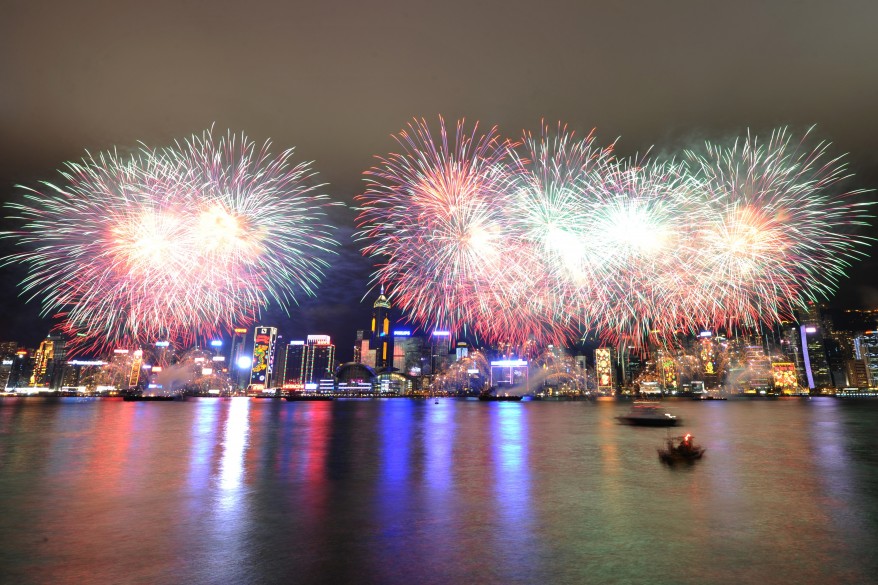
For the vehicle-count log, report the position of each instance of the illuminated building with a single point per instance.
(380, 341)
(237, 352)
(83, 375)
(814, 359)
(407, 352)
(118, 372)
(355, 379)
(708, 355)
(866, 349)
(440, 349)
(666, 369)
(784, 377)
(21, 369)
(294, 365)
(134, 370)
(857, 374)
(263, 346)
(49, 363)
(510, 373)
(319, 359)
(8, 350)
(605, 371)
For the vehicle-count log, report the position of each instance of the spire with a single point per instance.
(381, 301)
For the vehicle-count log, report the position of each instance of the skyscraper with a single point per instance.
(866, 349)
(263, 346)
(49, 363)
(380, 341)
(319, 359)
(295, 365)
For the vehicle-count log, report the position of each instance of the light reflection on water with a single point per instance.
(405, 491)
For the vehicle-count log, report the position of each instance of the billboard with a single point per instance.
(785, 379)
(263, 342)
(134, 375)
(603, 359)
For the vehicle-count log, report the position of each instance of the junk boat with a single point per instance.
(680, 450)
(648, 414)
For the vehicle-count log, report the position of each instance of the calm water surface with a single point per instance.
(405, 491)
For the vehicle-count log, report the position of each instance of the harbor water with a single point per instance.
(402, 491)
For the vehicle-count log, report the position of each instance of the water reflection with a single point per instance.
(512, 490)
(399, 491)
(235, 437)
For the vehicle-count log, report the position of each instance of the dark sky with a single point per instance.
(336, 79)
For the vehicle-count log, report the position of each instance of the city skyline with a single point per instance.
(800, 73)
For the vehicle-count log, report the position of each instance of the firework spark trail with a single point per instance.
(528, 241)
(173, 243)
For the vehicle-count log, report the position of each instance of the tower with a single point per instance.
(381, 341)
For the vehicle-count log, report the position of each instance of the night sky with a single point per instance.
(337, 79)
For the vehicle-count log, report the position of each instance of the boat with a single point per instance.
(300, 397)
(708, 397)
(680, 450)
(147, 398)
(648, 414)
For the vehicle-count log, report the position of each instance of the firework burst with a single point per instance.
(175, 243)
(779, 230)
(532, 240)
(436, 215)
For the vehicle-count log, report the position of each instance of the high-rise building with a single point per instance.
(440, 351)
(237, 353)
(319, 359)
(263, 346)
(381, 341)
(84, 375)
(605, 370)
(21, 369)
(866, 349)
(408, 351)
(857, 374)
(49, 363)
(813, 351)
(632, 365)
(7, 359)
(8, 349)
(784, 377)
(294, 360)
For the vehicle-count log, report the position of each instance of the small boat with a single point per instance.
(648, 414)
(300, 397)
(680, 450)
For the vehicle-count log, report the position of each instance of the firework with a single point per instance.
(529, 241)
(173, 243)
(436, 215)
(639, 250)
(779, 227)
